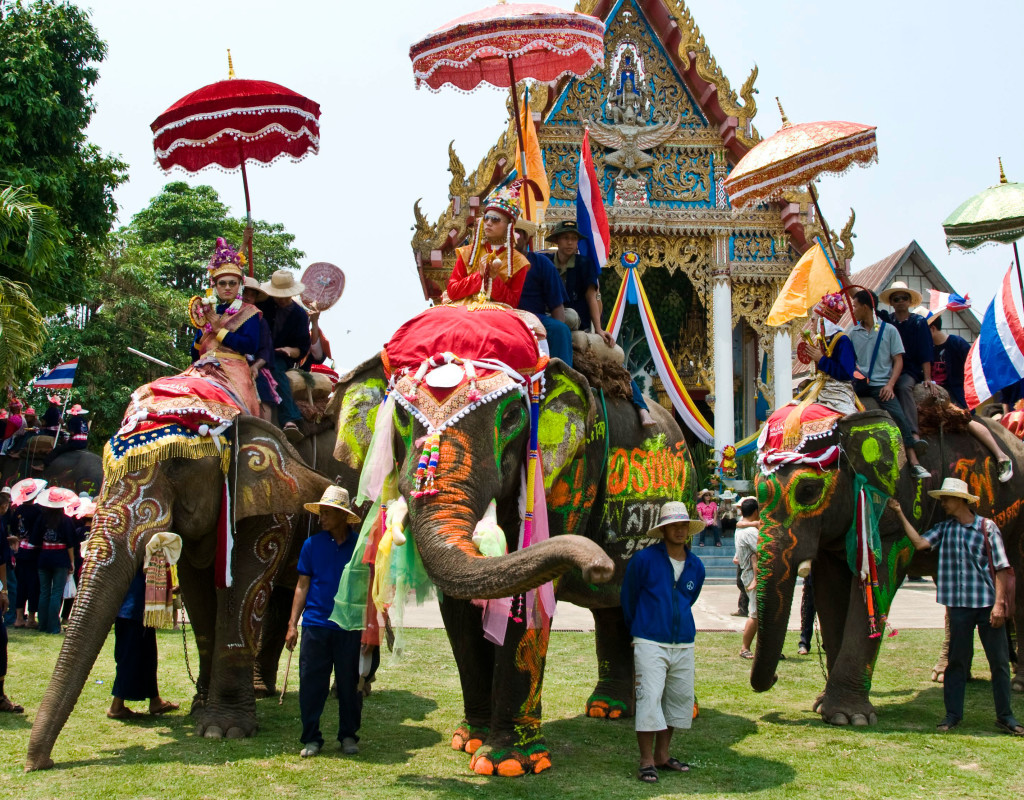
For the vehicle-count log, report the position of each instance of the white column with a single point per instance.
(783, 357)
(725, 414)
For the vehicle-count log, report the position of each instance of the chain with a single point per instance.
(821, 651)
(184, 645)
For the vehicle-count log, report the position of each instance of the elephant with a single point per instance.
(184, 495)
(806, 514)
(78, 470)
(605, 479)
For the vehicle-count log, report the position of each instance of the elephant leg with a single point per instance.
(613, 696)
(200, 599)
(260, 546)
(831, 602)
(268, 654)
(516, 745)
(474, 657)
(939, 670)
(845, 700)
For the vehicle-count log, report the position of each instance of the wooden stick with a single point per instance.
(287, 669)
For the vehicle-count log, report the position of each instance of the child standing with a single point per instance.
(661, 585)
(746, 557)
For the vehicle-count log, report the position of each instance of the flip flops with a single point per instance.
(1014, 730)
(674, 765)
(164, 708)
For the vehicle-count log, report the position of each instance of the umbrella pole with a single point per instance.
(840, 268)
(519, 134)
(1016, 255)
(248, 217)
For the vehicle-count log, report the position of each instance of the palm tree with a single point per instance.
(29, 243)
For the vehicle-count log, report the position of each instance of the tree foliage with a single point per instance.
(50, 53)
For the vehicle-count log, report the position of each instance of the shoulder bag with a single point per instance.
(1011, 578)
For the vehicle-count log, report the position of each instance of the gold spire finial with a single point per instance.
(785, 119)
(1002, 175)
(231, 67)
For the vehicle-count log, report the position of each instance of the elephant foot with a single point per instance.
(43, 762)
(198, 704)
(858, 713)
(512, 755)
(468, 738)
(226, 724)
(602, 706)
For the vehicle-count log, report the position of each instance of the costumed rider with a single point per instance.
(832, 353)
(228, 330)
(78, 430)
(489, 267)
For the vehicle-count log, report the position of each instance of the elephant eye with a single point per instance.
(808, 493)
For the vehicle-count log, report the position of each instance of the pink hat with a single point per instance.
(56, 497)
(29, 411)
(77, 410)
(23, 491)
(15, 403)
(54, 398)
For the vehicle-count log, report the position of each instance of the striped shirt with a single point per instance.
(964, 580)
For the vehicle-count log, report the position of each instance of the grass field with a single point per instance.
(744, 745)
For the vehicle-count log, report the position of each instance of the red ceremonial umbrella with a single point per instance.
(503, 44)
(229, 123)
(797, 154)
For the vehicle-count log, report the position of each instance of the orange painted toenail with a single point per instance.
(473, 745)
(542, 764)
(481, 766)
(510, 768)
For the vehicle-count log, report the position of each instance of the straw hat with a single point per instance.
(899, 287)
(335, 497)
(56, 497)
(675, 512)
(282, 284)
(954, 487)
(929, 316)
(252, 283)
(728, 495)
(703, 492)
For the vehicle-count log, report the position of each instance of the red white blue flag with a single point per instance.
(591, 220)
(61, 376)
(940, 301)
(996, 359)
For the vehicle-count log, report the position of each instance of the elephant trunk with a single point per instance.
(443, 534)
(776, 579)
(99, 599)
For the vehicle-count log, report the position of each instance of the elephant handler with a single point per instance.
(326, 647)
(973, 569)
(661, 585)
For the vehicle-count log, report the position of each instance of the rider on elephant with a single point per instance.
(833, 355)
(489, 267)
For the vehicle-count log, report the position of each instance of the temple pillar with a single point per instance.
(721, 303)
(783, 359)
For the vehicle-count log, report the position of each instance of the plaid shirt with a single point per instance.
(964, 580)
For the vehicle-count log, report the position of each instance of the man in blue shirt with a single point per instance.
(972, 584)
(661, 585)
(544, 295)
(326, 647)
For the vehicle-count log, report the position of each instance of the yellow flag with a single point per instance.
(811, 278)
(534, 164)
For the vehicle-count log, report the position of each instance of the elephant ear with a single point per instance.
(272, 477)
(567, 415)
(353, 407)
(875, 446)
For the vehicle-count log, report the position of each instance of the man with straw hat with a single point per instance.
(972, 584)
(326, 647)
(289, 326)
(661, 585)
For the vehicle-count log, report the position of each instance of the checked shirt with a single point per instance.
(964, 580)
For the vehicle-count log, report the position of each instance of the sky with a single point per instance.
(938, 79)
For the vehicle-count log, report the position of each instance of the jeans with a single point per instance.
(51, 597)
(807, 612)
(715, 531)
(287, 411)
(904, 389)
(323, 651)
(962, 622)
(559, 338)
(892, 405)
(638, 399)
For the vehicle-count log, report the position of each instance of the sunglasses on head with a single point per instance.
(493, 218)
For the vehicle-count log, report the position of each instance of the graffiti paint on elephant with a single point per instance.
(653, 471)
(978, 478)
(572, 496)
(560, 435)
(265, 456)
(356, 420)
(882, 452)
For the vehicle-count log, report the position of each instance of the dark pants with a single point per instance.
(27, 572)
(807, 612)
(559, 338)
(904, 389)
(716, 532)
(962, 622)
(135, 660)
(323, 651)
(892, 405)
(3, 653)
(743, 605)
(287, 411)
(51, 597)
(12, 595)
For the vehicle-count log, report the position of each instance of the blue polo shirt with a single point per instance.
(542, 289)
(323, 560)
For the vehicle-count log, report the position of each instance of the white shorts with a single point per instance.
(664, 686)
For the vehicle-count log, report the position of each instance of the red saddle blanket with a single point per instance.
(815, 421)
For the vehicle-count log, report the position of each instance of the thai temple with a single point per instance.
(666, 127)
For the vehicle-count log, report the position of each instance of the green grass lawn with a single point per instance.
(743, 745)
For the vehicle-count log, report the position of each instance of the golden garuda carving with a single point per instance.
(628, 143)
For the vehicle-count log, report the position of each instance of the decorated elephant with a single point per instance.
(79, 470)
(184, 491)
(823, 507)
(449, 397)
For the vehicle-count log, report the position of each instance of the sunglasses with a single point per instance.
(900, 298)
(227, 284)
(493, 218)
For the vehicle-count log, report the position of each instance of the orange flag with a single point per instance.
(534, 163)
(811, 278)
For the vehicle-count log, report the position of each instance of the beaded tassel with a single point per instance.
(518, 607)
(426, 469)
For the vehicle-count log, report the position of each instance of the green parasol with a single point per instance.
(995, 215)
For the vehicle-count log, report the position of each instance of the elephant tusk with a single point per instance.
(804, 569)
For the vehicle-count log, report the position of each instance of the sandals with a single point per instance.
(746, 654)
(1014, 730)
(165, 707)
(674, 765)
(949, 723)
(8, 706)
(648, 774)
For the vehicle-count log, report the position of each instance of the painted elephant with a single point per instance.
(79, 470)
(184, 496)
(807, 514)
(605, 479)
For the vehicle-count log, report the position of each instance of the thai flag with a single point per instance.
(996, 359)
(61, 376)
(943, 300)
(590, 217)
